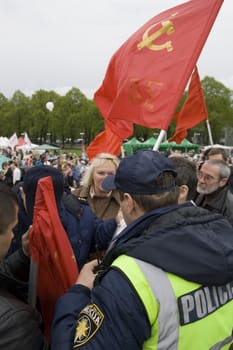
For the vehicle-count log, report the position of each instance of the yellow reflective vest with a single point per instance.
(183, 315)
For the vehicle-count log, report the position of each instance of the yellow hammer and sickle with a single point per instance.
(167, 28)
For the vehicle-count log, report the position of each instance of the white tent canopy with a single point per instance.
(4, 142)
(219, 146)
(27, 147)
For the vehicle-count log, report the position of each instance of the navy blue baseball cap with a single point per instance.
(137, 174)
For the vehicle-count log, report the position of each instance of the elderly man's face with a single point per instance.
(209, 179)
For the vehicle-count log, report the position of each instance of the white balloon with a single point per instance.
(50, 106)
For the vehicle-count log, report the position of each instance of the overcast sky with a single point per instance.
(60, 44)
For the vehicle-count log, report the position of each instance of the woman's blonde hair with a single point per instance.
(100, 160)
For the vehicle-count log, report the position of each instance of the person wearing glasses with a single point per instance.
(212, 187)
(220, 153)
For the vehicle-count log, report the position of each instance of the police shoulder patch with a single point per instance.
(89, 321)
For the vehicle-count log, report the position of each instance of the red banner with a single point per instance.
(107, 142)
(51, 250)
(147, 76)
(193, 110)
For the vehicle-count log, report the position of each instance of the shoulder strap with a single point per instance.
(72, 204)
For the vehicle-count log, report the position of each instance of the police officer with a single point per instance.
(167, 281)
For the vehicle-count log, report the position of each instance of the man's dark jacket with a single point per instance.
(220, 201)
(19, 322)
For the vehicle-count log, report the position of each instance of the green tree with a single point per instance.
(74, 114)
(43, 122)
(72, 107)
(19, 112)
(5, 125)
(219, 105)
(93, 123)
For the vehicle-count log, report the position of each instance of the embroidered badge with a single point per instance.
(90, 320)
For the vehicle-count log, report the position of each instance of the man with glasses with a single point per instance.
(212, 186)
(220, 153)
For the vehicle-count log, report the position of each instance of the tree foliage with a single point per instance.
(75, 115)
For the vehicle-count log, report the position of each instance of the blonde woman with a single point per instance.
(105, 205)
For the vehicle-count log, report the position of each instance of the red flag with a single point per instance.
(106, 141)
(193, 110)
(146, 77)
(51, 250)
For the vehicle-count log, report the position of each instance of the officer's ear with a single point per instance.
(183, 194)
(134, 210)
(129, 203)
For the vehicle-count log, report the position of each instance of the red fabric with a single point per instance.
(51, 250)
(193, 110)
(121, 128)
(21, 142)
(106, 141)
(146, 77)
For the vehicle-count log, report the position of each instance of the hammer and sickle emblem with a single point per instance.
(167, 28)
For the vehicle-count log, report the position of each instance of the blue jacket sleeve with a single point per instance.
(111, 316)
(104, 231)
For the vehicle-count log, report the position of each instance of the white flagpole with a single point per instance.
(162, 135)
(122, 152)
(209, 132)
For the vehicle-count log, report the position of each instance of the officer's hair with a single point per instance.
(8, 202)
(224, 169)
(148, 202)
(186, 174)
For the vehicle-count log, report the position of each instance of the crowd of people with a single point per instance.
(152, 238)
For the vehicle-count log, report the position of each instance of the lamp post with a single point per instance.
(48, 139)
(82, 134)
(196, 137)
(50, 106)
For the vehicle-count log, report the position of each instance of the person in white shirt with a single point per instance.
(16, 173)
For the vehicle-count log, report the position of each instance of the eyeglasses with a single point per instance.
(205, 177)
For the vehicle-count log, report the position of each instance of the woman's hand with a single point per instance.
(25, 242)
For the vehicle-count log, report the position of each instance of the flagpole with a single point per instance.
(209, 131)
(162, 135)
(32, 287)
(122, 152)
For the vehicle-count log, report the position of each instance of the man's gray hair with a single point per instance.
(224, 169)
